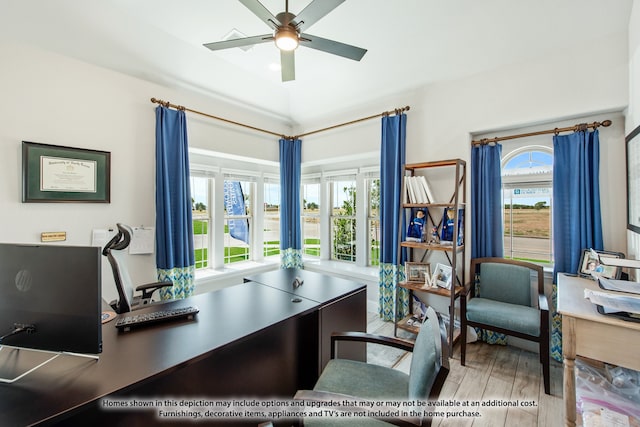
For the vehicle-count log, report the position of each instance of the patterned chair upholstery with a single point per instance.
(354, 380)
(499, 299)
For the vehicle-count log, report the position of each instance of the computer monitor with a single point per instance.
(54, 289)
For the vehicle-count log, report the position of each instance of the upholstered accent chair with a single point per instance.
(344, 379)
(499, 299)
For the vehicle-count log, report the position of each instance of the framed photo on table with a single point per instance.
(52, 173)
(590, 266)
(417, 272)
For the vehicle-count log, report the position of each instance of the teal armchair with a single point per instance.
(344, 379)
(499, 299)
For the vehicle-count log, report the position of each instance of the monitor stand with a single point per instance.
(18, 362)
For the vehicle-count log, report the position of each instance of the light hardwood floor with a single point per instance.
(492, 372)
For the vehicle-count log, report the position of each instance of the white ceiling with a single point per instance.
(410, 43)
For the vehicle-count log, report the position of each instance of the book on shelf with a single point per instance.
(417, 190)
(425, 186)
(410, 195)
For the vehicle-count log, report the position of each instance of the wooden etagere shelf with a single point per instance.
(431, 246)
(421, 251)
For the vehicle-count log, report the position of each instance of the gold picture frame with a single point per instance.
(417, 272)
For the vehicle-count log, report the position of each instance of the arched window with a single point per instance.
(527, 184)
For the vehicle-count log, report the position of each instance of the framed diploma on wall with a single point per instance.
(52, 173)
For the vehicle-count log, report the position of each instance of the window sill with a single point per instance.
(211, 279)
(343, 269)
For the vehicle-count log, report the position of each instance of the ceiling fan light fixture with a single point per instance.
(286, 38)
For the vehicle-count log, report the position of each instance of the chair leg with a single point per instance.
(463, 329)
(463, 341)
(544, 355)
(544, 352)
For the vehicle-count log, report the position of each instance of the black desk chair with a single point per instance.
(114, 251)
(349, 380)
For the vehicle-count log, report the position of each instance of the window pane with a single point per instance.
(343, 231)
(271, 219)
(373, 242)
(527, 211)
(311, 219)
(238, 221)
(201, 220)
(344, 197)
(343, 221)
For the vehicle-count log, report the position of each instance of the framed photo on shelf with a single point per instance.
(417, 272)
(590, 266)
(633, 180)
(442, 276)
(52, 173)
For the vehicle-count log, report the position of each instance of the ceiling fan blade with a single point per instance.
(287, 65)
(314, 11)
(245, 41)
(261, 12)
(332, 46)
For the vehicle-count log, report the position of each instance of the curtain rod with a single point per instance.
(167, 104)
(576, 128)
(385, 113)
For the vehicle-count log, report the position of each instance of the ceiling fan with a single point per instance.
(288, 34)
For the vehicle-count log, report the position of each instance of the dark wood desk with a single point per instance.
(342, 307)
(247, 340)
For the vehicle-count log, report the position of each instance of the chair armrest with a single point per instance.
(149, 288)
(327, 396)
(371, 339)
(466, 289)
(543, 304)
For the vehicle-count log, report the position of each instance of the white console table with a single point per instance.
(587, 333)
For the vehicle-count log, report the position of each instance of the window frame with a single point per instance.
(543, 178)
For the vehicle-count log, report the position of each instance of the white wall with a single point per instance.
(56, 100)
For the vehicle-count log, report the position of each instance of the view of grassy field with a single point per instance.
(528, 222)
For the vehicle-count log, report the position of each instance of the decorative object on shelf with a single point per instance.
(448, 226)
(591, 266)
(419, 310)
(435, 239)
(416, 272)
(442, 276)
(415, 231)
(52, 173)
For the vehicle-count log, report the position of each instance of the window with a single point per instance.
(271, 244)
(527, 184)
(343, 219)
(238, 211)
(201, 217)
(373, 221)
(311, 219)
